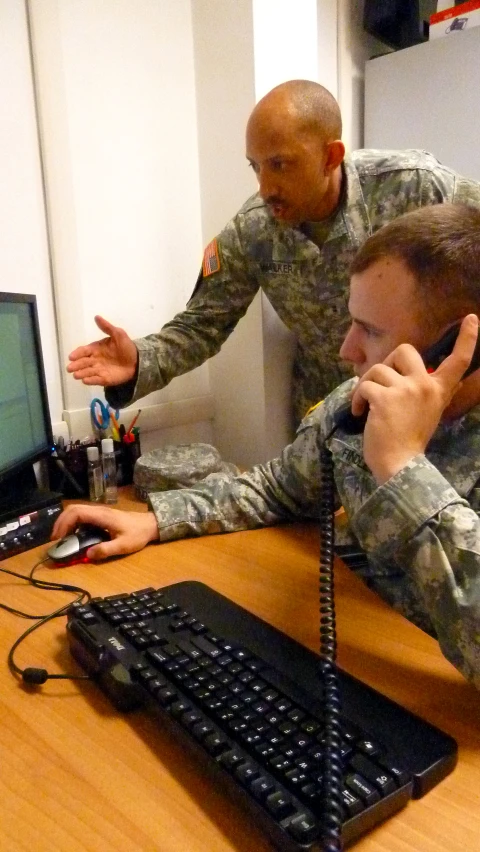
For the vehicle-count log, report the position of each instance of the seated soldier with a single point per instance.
(409, 482)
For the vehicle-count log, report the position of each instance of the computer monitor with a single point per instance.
(25, 425)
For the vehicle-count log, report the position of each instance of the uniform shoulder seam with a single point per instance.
(393, 161)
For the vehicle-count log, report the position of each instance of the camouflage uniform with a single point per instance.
(420, 529)
(302, 271)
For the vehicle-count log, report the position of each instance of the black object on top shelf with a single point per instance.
(396, 23)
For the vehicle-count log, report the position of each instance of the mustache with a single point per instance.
(274, 199)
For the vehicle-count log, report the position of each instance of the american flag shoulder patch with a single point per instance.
(211, 259)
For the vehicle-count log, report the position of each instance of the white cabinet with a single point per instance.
(428, 96)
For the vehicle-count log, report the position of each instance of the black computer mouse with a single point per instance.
(73, 548)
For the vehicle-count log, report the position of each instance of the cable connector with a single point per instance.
(35, 676)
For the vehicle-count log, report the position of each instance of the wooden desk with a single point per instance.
(77, 776)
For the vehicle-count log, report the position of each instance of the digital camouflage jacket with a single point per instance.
(306, 280)
(420, 530)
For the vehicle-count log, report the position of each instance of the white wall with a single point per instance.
(116, 94)
(24, 259)
(224, 70)
(436, 86)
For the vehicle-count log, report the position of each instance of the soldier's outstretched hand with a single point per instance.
(106, 362)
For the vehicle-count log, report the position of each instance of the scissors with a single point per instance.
(100, 414)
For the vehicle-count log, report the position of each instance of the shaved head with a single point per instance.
(304, 104)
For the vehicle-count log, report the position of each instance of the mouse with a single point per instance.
(73, 548)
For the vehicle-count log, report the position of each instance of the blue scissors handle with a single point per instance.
(100, 413)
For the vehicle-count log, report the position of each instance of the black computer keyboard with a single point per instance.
(248, 700)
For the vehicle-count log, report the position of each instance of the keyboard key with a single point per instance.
(399, 775)
(255, 665)
(241, 654)
(178, 708)
(296, 715)
(294, 779)
(212, 637)
(216, 743)
(191, 718)
(280, 764)
(158, 656)
(352, 803)
(312, 793)
(265, 751)
(232, 758)
(148, 673)
(247, 772)
(363, 789)
(190, 650)
(156, 683)
(310, 726)
(251, 738)
(286, 728)
(236, 725)
(283, 705)
(304, 828)
(269, 694)
(368, 747)
(382, 780)
(279, 804)
(166, 695)
(301, 740)
(207, 647)
(225, 714)
(258, 685)
(202, 730)
(261, 707)
(262, 787)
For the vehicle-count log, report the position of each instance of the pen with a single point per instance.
(132, 424)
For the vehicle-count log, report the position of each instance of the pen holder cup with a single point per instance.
(68, 473)
(125, 456)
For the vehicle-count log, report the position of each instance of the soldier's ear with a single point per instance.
(335, 155)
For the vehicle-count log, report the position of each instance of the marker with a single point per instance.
(116, 427)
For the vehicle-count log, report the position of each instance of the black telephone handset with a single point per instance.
(432, 358)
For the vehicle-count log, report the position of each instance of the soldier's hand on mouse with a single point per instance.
(129, 531)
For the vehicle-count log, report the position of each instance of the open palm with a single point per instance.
(106, 362)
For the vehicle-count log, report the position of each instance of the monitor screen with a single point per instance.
(25, 426)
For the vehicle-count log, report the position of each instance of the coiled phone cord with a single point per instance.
(332, 762)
